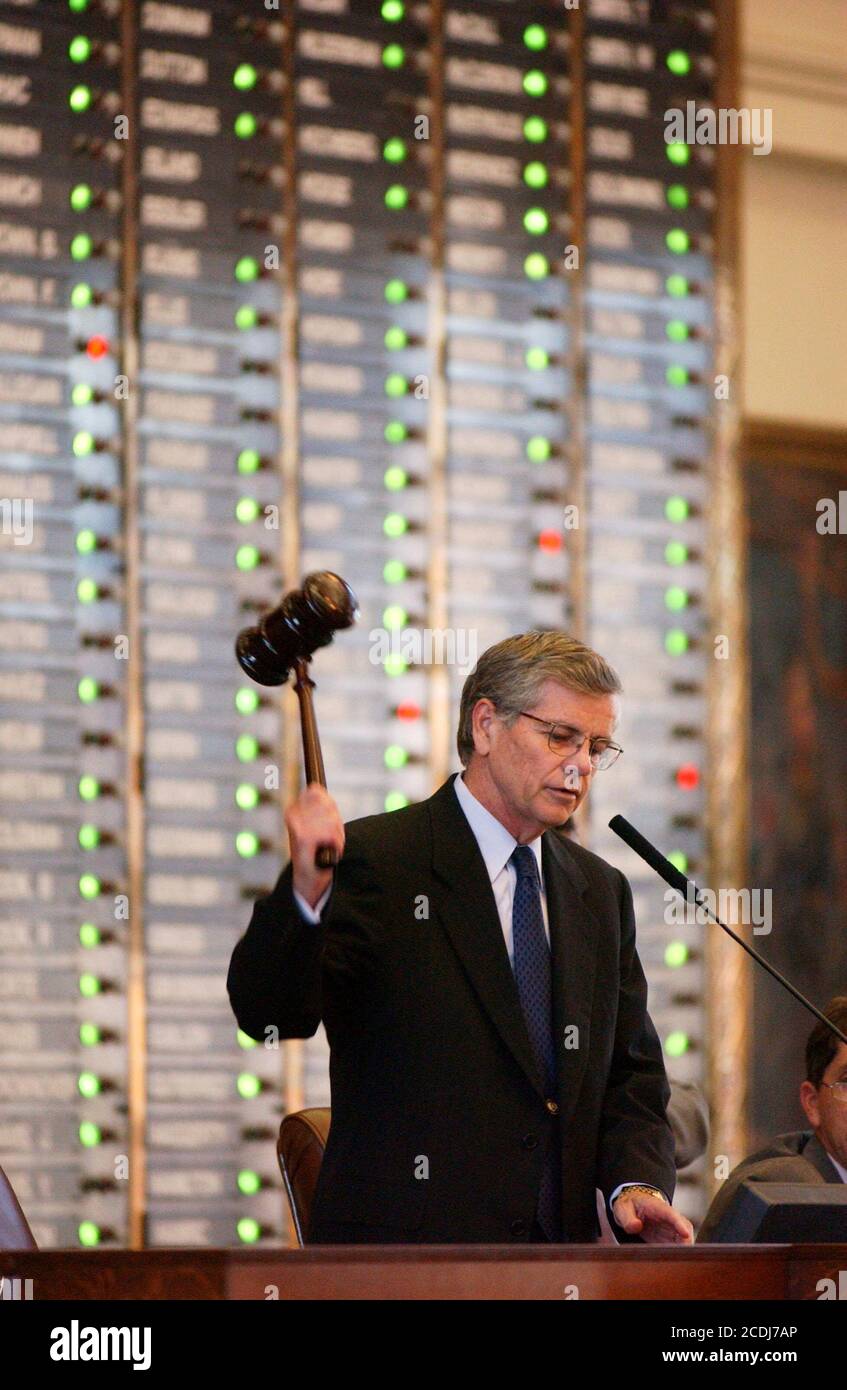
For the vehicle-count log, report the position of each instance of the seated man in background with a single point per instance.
(816, 1155)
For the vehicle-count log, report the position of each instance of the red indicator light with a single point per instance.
(97, 347)
(408, 711)
(688, 776)
(550, 540)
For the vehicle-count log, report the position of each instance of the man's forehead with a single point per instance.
(561, 703)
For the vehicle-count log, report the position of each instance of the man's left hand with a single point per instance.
(649, 1216)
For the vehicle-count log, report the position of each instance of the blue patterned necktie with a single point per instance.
(533, 975)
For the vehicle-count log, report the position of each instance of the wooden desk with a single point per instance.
(434, 1272)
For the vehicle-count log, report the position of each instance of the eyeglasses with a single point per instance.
(562, 739)
(839, 1087)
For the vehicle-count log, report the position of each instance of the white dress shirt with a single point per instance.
(496, 845)
(839, 1167)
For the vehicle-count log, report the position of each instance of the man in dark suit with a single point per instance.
(492, 1060)
(816, 1155)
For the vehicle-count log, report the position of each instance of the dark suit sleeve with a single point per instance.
(278, 967)
(635, 1141)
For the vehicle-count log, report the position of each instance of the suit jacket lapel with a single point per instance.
(573, 943)
(818, 1156)
(469, 915)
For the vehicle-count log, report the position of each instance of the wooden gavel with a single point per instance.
(284, 640)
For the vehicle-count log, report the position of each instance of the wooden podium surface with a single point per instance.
(431, 1272)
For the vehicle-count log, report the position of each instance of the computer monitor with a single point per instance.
(784, 1213)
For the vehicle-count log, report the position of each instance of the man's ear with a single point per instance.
(482, 722)
(809, 1102)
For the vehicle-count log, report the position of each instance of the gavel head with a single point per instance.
(306, 619)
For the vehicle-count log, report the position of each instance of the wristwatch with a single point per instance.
(642, 1187)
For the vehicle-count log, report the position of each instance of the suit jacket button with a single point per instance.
(519, 1228)
(530, 1141)
(552, 1107)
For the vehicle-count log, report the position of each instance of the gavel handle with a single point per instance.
(325, 856)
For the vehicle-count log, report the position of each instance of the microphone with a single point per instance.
(688, 888)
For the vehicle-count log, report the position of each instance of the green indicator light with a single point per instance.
(89, 1034)
(394, 616)
(89, 985)
(676, 954)
(395, 756)
(679, 860)
(246, 796)
(675, 375)
(249, 1231)
(79, 99)
(677, 152)
(395, 478)
(77, 6)
(245, 125)
(79, 49)
(395, 801)
(396, 197)
(247, 509)
(247, 316)
(676, 1044)
(82, 394)
(86, 591)
(676, 286)
(246, 748)
(393, 55)
(86, 541)
(676, 642)
(246, 700)
(83, 443)
(396, 291)
(395, 525)
(248, 461)
(89, 886)
(678, 61)
(677, 241)
(536, 266)
(81, 296)
(538, 449)
(89, 935)
(396, 338)
(244, 1041)
(676, 598)
(248, 1085)
(247, 268)
(535, 37)
(90, 1134)
(535, 174)
(88, 836)
(249, 1182)
(82, 246)
(395, 665)
(247, 557)
(88, 689)
(677, 195)
(535, 83)
(677, 330)
(88, 1233)
(536, 221)
(394, 572)
(88, 788)
(537, 358)
(393, 11)
(245, 77)
(81, 196)
(395, 432)
(88, 1084)
(676, 509)
(394, 150)
(676, 553)
(246, 844)
(535, 130)
(396, 385)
